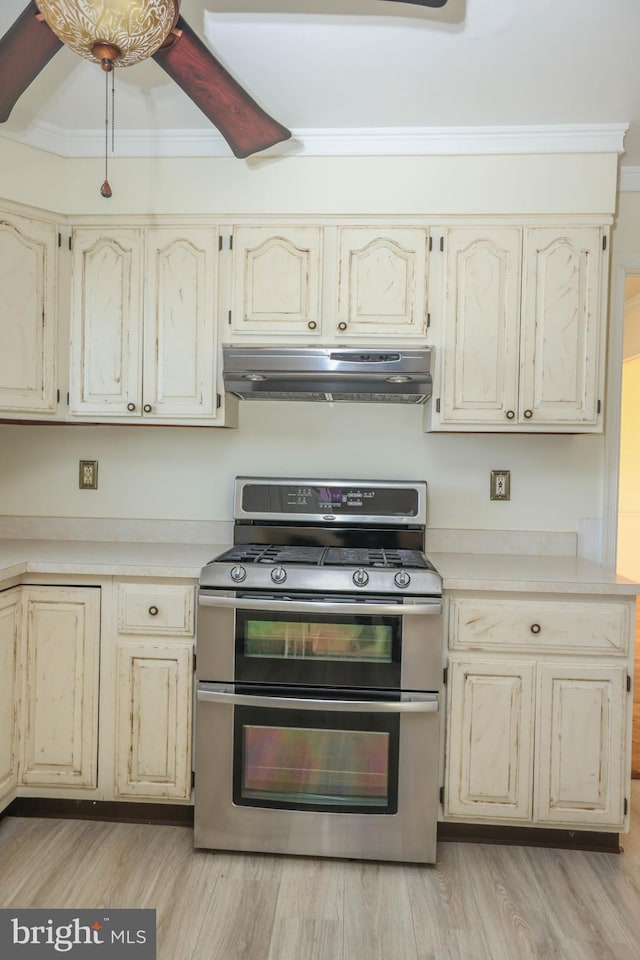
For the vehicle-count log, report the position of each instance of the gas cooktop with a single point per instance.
(325, 556)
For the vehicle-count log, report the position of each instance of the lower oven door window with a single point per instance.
(309, 760)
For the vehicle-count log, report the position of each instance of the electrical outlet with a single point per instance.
(88, 479)
(500, 488)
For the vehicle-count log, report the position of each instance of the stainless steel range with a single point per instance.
(319, 667)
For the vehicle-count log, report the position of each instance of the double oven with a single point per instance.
(319, 662)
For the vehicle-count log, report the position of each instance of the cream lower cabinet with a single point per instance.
(10, 636)
(59, 710)
(154, 682)
(539, 712)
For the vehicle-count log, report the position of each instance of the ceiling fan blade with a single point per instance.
(423, 3)
(244, 125)
(25, 49)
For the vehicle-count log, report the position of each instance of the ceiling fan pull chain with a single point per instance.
(105, 189)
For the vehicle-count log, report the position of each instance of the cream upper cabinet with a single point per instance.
(276, 282)
(563, 325)
(106, 323)
(154, 681)
(28, 318)
(143, 339)
(61, 627)
(382, 282)
(539, 710)
(522, 329)
(326, 284)
(10, 661)
(481, 305)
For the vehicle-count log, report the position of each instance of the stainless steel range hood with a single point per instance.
(343, 374)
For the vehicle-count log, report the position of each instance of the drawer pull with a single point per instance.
(510, 414)
(131, 407)
(153, 612)
(528, 414)
(312, 324)
(147, 408)
(535, 628)
(342, 325)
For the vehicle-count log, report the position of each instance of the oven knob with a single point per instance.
(402, 579)
(361, 578)
(238, 574)
(278, 574)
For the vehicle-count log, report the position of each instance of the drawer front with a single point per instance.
(156, 609)
(572, 626)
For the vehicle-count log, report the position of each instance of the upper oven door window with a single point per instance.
(320, 649)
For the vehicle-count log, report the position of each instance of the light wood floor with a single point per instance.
(480, 902)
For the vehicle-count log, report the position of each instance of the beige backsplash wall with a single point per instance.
(187, 473)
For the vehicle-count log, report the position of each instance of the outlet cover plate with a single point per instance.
(500, 488)
(88, 475)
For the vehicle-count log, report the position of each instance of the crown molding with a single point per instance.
(357, 142)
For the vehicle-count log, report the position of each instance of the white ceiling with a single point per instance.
(342, 71)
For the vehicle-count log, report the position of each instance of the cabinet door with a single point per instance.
(490, 739)
(9, 666)
(276, 281)
(61, 686)
(581, 745)
(179, 326)
(153, 740)
(382, 282)
(479, 372)
(562, 325)
(106, 323)
(28, 331)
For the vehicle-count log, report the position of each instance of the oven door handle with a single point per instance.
(414, 702)
(324, 606)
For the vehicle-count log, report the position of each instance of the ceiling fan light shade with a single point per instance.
(136, 27)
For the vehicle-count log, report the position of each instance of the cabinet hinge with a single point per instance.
(441, 244)
(59, 239)
(229, 318)
(220, 241)
(193, 778)
(218, 401)
(628, 683)
(604, 242)
(430, 244)
(58, 395)
(438, 405)
(195, 657)
(626, 806)
(67, 398)
(428, 320)
(599, 410)
(445, 675)
(442, 795)
(231, 242)
(70, 243)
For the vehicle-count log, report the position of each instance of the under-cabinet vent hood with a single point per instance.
(328, 373)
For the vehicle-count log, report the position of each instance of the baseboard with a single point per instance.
(529, 836)
(172, 814)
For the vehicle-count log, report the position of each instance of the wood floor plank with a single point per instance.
(479, 902)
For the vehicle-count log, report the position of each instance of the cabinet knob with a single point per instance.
(528, 414)
(153, 612)
(312, 324)
(535, 628)
(510, 414)
(131, 407)
(342, 325)
(147, 408)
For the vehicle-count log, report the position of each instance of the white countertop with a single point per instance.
(460, 571)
